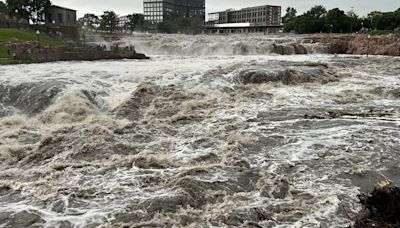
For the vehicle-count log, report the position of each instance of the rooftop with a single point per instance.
(251, 7)
(60, 7)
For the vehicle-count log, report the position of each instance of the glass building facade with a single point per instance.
(156, 11)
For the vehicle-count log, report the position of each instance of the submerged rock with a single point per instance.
(30, 98)
(305, 74)
(383, 207)
(22, 219)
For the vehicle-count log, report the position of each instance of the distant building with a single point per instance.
(60, 16)
(139, 22)
(266, 19)
(61, 22)
(156, 11)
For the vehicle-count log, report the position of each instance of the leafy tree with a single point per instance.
(187, 25)
(3, 7)
(290, 14)
(337, 21)
(310, 22)
(18, 8)
(91, 21)
(385, 21)
(317, 19)
(109, 21)
(33, 10)
(133, 22)
(354, 21)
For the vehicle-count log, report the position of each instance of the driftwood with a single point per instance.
(334, 115)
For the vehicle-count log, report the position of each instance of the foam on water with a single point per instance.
(183, 141)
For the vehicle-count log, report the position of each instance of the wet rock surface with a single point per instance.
(382, 207)
(360, 44)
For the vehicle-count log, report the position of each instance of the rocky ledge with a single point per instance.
(381, 207)
(359, 44)
(33, 52)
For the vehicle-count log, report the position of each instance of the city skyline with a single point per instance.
(122, 7)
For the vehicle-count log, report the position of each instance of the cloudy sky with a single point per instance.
(123, 7)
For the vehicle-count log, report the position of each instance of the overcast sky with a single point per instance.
(123, 7)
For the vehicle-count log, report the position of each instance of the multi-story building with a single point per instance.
(252, 19)
(156, 11)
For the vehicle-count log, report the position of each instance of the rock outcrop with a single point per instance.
(39, 53)
(359, 44)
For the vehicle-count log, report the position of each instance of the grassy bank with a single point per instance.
(16, 36)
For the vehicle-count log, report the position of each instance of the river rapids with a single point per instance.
(212, 131)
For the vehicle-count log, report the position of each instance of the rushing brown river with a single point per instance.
(211, 132)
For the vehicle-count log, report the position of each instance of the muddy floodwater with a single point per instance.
(248, 131)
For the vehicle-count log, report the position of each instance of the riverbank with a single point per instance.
(359, 44)
(22, 47)
(31, 51)
(18, 36)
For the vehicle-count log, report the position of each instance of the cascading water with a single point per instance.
(211, 132)
(202, 45)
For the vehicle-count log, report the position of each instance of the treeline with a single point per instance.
(3, 7)
(26, 9)
(187, 25)
(109, 21)
(318, 19)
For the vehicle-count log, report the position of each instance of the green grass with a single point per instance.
(16, 35)
(8, 61)
(3, 53)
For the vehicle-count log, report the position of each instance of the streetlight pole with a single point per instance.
(38, 39)
(362, 27)
(84, 38)
(369, 37)
(16, 15)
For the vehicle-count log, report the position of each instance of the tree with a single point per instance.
(3, 7)
(33, 10)
(90, 21)
(385, 21)
(17, 8)
(290, 15)
(289, 19)
(354, 20)
(337, 21)
(132, 22)
(109, 21)
(312, 21)
(187, 25)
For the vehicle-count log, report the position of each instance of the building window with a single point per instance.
(49, 18)
(60, 18)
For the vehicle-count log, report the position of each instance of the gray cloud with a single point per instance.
(123, 7)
